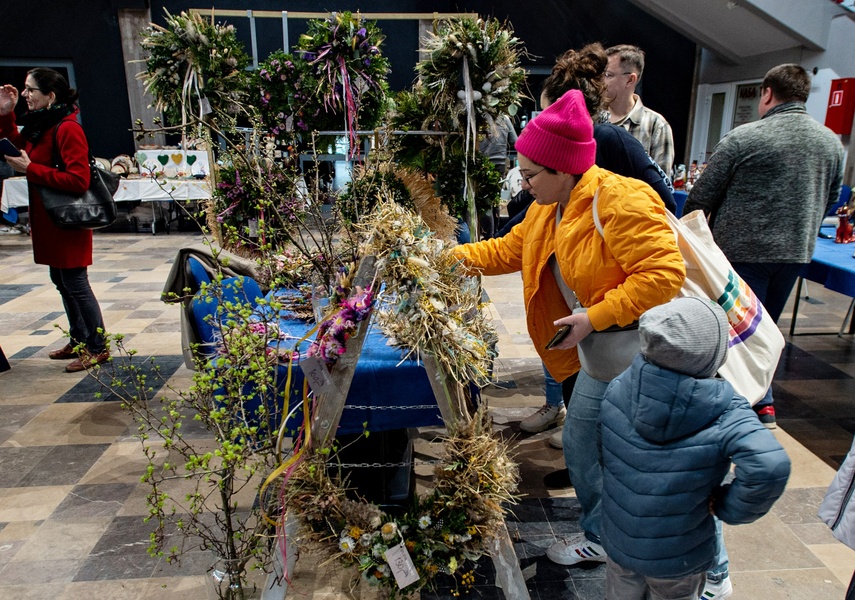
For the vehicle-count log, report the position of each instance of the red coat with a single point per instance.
(52, 246)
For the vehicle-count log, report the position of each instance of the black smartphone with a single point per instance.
(559, 336)
(7, 148)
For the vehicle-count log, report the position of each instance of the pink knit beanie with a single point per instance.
(561, 137)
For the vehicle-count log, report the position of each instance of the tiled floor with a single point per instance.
(71, 505)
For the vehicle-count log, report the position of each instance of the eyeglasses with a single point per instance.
(30, 90)
(610, 75)
(528, 178)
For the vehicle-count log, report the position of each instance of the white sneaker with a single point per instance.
(556, 440)
(717, 590)
(9, 231)
(545, 417)
(576, 549)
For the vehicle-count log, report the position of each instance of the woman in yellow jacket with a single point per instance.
(633, 266)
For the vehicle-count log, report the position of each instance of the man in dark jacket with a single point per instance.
(766, 188)
(670, 431)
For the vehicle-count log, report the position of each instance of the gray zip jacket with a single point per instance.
(768, 186)
(837, 509)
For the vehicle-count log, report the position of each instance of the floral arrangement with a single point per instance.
(444, 532)
(471, 76)
(194, 67)
(282, 92)
(484, 56)
(370, 184)
(428, 304)
(337, 328)
(243, 194)
(334, 80)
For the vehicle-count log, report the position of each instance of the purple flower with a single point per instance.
(361, 32)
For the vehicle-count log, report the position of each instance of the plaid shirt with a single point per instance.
(652, 130)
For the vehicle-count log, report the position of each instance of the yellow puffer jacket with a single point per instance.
(648, 270)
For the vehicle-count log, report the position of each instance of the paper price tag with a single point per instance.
(316, 375)
(402, 565)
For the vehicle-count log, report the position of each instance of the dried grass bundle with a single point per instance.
(442, 531)
(428, 305)
(431, 209)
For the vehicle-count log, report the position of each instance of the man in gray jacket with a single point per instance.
(766, 189)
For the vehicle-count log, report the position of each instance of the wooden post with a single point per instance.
(330, 406)
(449, 394)
(509, 576)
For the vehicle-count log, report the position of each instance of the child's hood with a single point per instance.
(665, 405)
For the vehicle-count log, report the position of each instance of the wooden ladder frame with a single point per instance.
(451, 400)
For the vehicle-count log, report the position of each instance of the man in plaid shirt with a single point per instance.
(626, 64)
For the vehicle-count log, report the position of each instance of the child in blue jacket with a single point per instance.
(670, 431)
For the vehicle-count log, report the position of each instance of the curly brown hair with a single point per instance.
(582, 70)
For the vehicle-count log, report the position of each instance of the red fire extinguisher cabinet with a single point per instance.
(841, 106)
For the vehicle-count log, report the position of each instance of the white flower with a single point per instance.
(365, 540)
(424, 522)
(389, 531)
(346, 544)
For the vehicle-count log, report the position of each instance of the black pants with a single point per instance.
(81, 307)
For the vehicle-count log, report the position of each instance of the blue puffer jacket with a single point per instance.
(668, 442)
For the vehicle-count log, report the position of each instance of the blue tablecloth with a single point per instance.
(384, 389)
(833, 266)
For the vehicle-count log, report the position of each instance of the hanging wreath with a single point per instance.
(334, 80)
(444, 532)
(194, 65)
(477, 58)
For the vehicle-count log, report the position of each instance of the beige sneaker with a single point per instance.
(556, 441)
(545, 417)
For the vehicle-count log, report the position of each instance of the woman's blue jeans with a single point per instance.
(554, 396)
(583, 450)
(81, 307)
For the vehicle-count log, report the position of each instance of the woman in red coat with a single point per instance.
(52, 117)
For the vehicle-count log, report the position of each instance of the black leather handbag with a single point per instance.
(93, 209)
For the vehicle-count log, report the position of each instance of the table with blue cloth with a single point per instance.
(388, 392)
(833, 266)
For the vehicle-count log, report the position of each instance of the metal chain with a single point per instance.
(415, 407)
(379, 465)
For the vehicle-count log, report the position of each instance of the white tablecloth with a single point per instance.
(146, 190)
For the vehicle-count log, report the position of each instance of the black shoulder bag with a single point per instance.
(93, 209)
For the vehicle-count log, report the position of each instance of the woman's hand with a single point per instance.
(19, 163)
(580, 328)
(8, 99)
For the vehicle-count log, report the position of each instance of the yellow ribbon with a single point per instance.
(307, 428)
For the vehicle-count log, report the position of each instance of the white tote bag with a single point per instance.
(756, 342)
